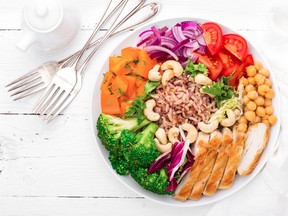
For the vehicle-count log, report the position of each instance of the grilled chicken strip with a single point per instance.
(220, 164)
(257, 137)
(213, 145)
(234, 159)
(199, 150)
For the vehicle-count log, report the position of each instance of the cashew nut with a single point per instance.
(208, 128)
(192, 132)
(162, 148)
(167, 75)
(201, 79)
(161, 136)
(174, 65)
(237, 113)
(154, 75)
(148, 111)
(230, 120)
(173, 134)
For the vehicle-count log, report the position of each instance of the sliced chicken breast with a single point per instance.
(257, 137)
(184, 188)
(214, 143)
(234, 159)
(220, 164)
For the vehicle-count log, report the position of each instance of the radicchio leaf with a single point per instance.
(178, 156)
(160, 162)
(172, 186)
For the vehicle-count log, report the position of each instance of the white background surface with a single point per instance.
(55, 169)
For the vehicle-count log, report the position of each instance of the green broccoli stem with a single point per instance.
(130, 124)
(141, 125)
(150, 129)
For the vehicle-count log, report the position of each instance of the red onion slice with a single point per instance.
(159, 48)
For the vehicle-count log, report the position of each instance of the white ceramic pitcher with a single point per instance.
(47, 24)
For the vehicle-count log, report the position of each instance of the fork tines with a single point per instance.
(26, 85)
(58, 89)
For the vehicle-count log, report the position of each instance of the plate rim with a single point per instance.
(189, 203)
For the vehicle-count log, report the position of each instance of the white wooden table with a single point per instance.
(55, 169)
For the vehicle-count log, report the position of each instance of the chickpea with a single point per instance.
(251, 106)
(259, 101)
(249, 88)
(260, 111)
(242, 119)
(251, 80)
(272, 119)
(259, 79)
(250, 115)
(242, 127)
(258, 65)
(270, 94)
(269, 110)
(268, 82)
(267, 102)
(264, 72)
(252, 95)
(265, 121)
(256, 120)
(246, 109)
(251, 71)
(246, 99)
(263, 89)
(265, 117)
(244, 81)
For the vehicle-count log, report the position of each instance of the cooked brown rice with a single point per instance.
(182, 102)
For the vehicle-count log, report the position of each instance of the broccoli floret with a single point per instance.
(156, 182)
(109, 129)
(144, 152)
(127, 138)
(117, 159)
(132, 153)
(119, 163)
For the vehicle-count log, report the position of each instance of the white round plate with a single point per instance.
(240, 182)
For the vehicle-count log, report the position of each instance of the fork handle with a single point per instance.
(155, 9)
(99, 25)
(111, 30)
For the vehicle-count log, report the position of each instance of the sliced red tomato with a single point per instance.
(249, 60)
(230, 63)
(213, 36)
(241, 70)
(213, 64)
(236, 45)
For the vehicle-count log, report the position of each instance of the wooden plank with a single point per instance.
(89, 12)
(53, 159)
(46, 206)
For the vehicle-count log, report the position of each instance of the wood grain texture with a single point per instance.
(55, 169)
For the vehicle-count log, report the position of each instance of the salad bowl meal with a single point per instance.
(184, 111)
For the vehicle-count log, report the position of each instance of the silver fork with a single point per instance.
(40, 77)
(65, 79)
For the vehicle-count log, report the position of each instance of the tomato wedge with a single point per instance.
(241, 70)
(230, 63)
(213, 64)
(213, 37)
(236, 45)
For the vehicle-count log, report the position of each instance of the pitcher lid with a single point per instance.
(43, 15)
